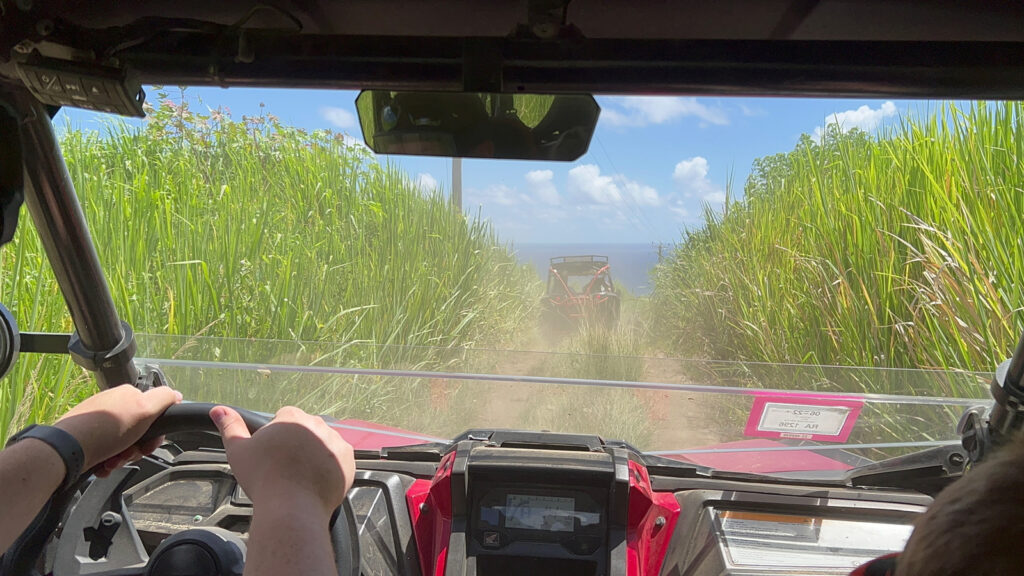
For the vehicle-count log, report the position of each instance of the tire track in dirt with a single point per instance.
(506, 403)
(682, 419)
(679, 420)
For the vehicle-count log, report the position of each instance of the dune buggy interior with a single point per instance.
(488, 501)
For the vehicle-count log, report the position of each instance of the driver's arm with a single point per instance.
(296, 470)
(107, 426)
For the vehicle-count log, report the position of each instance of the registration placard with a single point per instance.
(804, 417)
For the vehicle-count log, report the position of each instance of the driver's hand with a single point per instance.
(295, 455)
(109, 424)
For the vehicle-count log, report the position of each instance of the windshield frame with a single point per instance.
(105, 344)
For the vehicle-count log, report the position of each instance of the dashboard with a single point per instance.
(492, 503)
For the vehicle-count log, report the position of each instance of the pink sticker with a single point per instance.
(803, 416)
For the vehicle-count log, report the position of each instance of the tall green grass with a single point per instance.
(604, 352)
(899, 251)
(211, 226)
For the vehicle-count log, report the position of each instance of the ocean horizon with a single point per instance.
(631, 263)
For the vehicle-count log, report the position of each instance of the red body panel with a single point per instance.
(430, 505)
(647, 537)
(761, 462)
(364, 435)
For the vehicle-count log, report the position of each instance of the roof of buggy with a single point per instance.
(579, 265)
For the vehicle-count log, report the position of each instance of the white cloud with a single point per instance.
(587, 183)
(340, 117)
(541, 184)
(644, 110)
(691, 176)
(863, 118)
(750, 110)
(496, 194)
(540, 201)
(640, 193)
(426, 182)
(715, 197)
(677, 208)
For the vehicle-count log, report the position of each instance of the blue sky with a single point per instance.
(652, 163)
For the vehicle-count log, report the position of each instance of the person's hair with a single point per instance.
(976, 525)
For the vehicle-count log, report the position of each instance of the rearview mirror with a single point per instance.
(478, 125)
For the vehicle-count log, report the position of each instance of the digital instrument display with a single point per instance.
(548, 513)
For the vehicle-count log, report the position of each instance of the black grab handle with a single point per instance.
(195, 416)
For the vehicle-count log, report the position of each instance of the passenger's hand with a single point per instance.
(294, 456)
(109, 424)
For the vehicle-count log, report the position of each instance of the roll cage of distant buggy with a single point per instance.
(595, 299)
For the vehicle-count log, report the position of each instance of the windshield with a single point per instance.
(763, 285)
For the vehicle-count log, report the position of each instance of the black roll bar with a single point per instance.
(101, 343)
(1005, 422)
(1007, 417)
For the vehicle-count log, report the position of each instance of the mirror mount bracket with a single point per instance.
(547, 20)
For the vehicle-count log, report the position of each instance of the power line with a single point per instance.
(642, 220)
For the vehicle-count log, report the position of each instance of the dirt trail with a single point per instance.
(506, 403)
(682, 418)
(677, 420)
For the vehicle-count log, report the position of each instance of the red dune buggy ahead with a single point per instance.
(581, 288)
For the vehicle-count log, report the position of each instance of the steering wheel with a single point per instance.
(198, 551)
(195, 417)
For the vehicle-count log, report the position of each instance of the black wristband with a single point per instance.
(66, 446)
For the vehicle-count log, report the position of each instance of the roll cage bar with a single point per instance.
(102, 342)
(588, 265)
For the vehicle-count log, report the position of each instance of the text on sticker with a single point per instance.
(801, 418)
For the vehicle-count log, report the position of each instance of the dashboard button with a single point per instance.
(583, 545)
(95, 91)
(491, 539)
(49, 82)
(72, 87)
